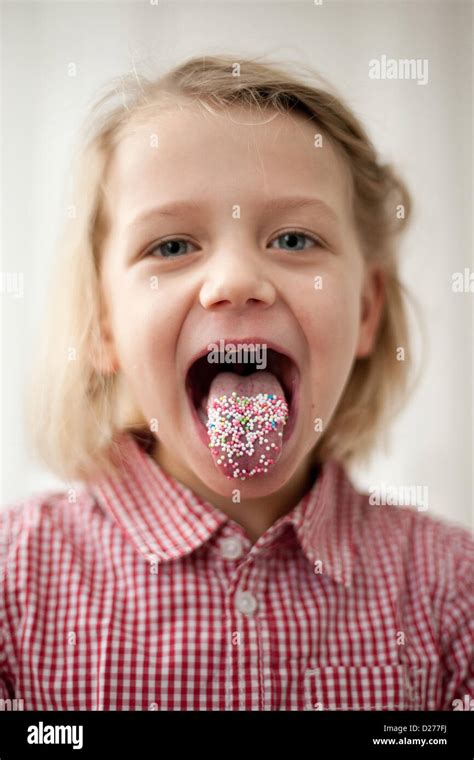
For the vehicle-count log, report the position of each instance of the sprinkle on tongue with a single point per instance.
(246, 416)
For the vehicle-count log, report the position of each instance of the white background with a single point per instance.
(425, 130)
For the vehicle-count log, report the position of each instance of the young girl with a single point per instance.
(224, 340)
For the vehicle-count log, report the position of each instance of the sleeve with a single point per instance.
(458, 630)
(6, 687)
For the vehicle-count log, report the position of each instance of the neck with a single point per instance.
(254, 515)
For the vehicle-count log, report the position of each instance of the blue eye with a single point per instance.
(293, 238)
(169, 248)
(176, 247)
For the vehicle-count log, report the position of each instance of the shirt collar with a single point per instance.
(166, 520)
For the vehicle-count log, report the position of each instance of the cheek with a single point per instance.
(330, 321)
(144, 329)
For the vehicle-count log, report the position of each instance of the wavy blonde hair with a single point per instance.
(75, 411)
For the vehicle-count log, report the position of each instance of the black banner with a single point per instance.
(132, 734)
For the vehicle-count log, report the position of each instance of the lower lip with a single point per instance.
(287, 430)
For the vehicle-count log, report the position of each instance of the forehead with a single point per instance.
(236, 156)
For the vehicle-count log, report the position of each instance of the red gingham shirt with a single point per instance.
(135, 594)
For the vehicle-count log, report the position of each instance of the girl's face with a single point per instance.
(227, 188)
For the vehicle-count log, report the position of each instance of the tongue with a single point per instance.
(246, 417)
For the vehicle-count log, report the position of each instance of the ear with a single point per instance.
(371, 309)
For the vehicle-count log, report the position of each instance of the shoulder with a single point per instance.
(42, 517)
(406, 537)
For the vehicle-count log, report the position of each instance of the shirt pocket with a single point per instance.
(350, 687)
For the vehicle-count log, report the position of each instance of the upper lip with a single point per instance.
(235, 341)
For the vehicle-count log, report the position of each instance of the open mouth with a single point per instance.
(202, 372)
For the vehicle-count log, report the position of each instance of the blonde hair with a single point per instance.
(75, 412)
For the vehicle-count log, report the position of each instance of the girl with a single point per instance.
(224, 341)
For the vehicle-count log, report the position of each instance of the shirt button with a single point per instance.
(231, 547)
(246, 602)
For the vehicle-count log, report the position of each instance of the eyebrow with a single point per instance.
(182, 208)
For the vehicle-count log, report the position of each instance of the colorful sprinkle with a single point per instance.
(237, 424)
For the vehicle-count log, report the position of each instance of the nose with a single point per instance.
(236, 280)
